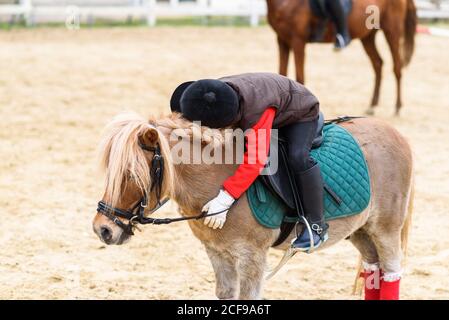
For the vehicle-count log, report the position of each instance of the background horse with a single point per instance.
(238, 252)
(293, 21)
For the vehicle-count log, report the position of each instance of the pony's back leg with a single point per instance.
(388, 244)
(389, 232)
(226, 277)
(251, 268)
(370, 263)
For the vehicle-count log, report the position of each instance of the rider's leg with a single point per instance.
(336, 10)
(309, 181)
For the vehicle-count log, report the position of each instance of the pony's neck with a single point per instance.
(186, 188)
(195, 184)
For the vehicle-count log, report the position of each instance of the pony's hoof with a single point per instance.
(369, 112)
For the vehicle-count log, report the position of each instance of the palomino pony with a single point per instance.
(293, 22)
(238, 251)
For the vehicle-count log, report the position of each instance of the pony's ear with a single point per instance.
(149, 137)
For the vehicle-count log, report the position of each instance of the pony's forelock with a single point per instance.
(122, 158)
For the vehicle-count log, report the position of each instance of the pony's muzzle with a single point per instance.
(106, 234)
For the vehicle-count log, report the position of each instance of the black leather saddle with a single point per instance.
(278, 177)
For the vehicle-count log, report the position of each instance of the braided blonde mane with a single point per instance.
(175, 124)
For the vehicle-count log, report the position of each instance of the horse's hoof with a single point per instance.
(369, 112)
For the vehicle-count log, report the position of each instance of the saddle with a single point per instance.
(277, 178)
(274, 198)
(319, 9)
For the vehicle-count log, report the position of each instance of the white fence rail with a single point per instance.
(35, 11)
(15, 8)
(433, 9)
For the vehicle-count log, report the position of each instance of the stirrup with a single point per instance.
(320, 231)
(340, 43)
(309, 230)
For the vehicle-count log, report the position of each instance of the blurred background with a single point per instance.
(150, 12)
(67, 67)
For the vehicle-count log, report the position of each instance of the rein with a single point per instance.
(341, 119)
(136, 215)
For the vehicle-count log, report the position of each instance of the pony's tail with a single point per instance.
(411, 20)
(357, 287)
(408, 223)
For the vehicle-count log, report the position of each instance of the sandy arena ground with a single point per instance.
(58, 88)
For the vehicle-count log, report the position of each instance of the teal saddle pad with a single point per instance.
(344, 170)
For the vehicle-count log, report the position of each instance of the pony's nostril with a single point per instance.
(106, 233)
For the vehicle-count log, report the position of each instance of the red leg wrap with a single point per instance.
(372, 284)
(389, 290)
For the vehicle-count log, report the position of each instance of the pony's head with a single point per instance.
(127, 152)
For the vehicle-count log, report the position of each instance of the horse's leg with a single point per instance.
(389, 225)
(284, 52)
(369, 44)
(386, 233)
(299, 47)
(393, 36)
(251, 267)
(225, 268)
(391, 195)
(388, 244)
(362, 241)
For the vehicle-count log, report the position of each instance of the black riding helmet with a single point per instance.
(213, 102)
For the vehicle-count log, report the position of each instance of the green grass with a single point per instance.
(208, 21)
(436, 23)
(163, 22)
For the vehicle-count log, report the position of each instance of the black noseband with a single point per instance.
(134, 216)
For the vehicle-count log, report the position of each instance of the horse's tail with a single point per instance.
(411, 21)
(407, 223)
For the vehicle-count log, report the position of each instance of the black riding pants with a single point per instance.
(299, 138)
(337, 12)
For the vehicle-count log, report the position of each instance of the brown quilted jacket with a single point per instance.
(259, 91)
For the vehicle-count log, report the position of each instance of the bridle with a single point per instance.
(136, 215)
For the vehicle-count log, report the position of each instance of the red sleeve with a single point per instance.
(257, 145)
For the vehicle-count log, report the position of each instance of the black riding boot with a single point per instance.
(310, 184)
(338, 16)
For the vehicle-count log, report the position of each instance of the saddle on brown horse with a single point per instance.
(322, 10)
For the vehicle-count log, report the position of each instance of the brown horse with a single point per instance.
(293, 21)
(238, 251)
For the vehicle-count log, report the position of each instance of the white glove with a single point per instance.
(222, 202)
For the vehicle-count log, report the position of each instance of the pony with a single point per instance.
(293, 22)
(238, 252)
